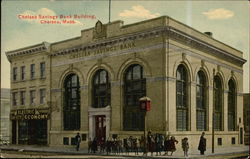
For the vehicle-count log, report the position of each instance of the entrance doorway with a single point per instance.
(100, 128)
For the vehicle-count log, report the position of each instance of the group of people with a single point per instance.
(157, 143)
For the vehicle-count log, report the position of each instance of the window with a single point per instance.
(14, 73)
(101, 89)
(219, 141)
(218, 103)
(14, 98)
(233, 141)
(22, 98)
(201, 113)
(23, 73)
(42, 69)
(32, 71)
(181, 98)
(65, 141)
(32, 97)
(134, 89)
(42, 96)
(71, 109)
(231, 106)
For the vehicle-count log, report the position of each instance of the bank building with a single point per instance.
(92, 84)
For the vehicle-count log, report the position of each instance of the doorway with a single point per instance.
(100, 128)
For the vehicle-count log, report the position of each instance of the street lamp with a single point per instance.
(145, 105)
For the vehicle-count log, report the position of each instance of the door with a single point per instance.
(13, 132)
(100, 128)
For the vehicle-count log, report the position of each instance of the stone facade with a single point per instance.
(5, 111)
(159, 45)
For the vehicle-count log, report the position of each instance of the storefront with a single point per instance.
(29, 126)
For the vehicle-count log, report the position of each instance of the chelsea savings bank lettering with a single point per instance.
(102, 50)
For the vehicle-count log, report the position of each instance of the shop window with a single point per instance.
(71, 108)
(181, 98)
(201, 109)
(219, 141)
(101, 89)
(134, 89)
(23, 132)
(233, 140)
(65, 141)
(218, 103)
(231, 106)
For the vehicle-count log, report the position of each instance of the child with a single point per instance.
(185, 146)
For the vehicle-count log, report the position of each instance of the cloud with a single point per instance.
(35, 17)
(138, 11)
(219, 13)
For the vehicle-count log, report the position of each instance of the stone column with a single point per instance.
(192, 107)
(225, 111)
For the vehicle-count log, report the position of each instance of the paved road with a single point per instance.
(16, 154)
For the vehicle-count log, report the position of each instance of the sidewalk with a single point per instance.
(178, 154)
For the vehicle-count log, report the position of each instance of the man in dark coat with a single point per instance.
(202, 144)
(78, 141)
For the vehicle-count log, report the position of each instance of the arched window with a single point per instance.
(231, 105)
(101, 89)
(181, 98)
(134, 89)
(218, 103)
(71, 109)
(201, 113)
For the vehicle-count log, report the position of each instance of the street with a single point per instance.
(17, 154)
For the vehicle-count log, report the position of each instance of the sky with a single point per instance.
(21, 25)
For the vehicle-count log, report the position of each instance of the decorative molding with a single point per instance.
(206, 59)
(29, 50)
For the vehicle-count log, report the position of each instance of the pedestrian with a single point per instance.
(157, 144)
(202, 144)
(167, 144)
(136, 146)
(172, 144)
(94, 145)
(150, 142)
(78, 141)
(89, 145)
(185, 146)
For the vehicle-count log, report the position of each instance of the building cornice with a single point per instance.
(168, 31)
(44, 46)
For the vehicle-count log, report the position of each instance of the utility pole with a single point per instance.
(109, 10)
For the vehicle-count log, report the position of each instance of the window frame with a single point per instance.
(22, 72)
(232, 105)
(98, 93)
(22, 97)
(201, 96)
(14, 98)
(72, 103)
(32, 71)
(182, 105)
(14, 73)
(42, 96)
(42, 70)
(218, 103)
(133, 117)
(32, 97)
